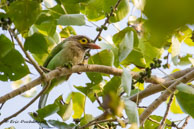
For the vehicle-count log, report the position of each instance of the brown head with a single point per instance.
(83, 41)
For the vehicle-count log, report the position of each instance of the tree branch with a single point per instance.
(155, 88)
(107, 19)
(186, 122)
(166, 113)
(189, 76)
(77, 68)
(26, 106)
(27, 55)
(64, 71)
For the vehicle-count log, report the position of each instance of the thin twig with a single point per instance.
(107, 19)
(186, 122)
(96, 96)
(166, 113)
(27, 105)
(2, 105)
(27, 55)
(101, 127)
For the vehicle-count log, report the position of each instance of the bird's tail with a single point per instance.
(42, 100)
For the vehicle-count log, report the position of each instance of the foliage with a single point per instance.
(163, 27)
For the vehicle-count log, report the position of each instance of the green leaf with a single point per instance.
(61, 125)
(36, 44)
(95, 78)
(78, 104)
(131, 111)
(114, 49)
(67, 31)
(86, 119)
(24, 13)
(185, 98)
(90, 90)
(153, 125)
(135, 57)
(10, 70)
(174, 107)
(65, 109)
(6, 45)
(42, 122)
(112, 85)
(118, 37)
(72, 8)
(185, 60)
(104, 57)
(126, 45)
(96, 9)
(122, 11)
(126, 81)
(47, 28)
(47, 110)
(149, 51)
(71, 19)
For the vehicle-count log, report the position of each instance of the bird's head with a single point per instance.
(83, 42)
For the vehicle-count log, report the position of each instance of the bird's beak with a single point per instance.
(93, 46)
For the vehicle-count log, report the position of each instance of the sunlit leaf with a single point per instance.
(86, 119)
(175, 108)
(65, 109)
(149, 51)
(185, 60)
(78, 104)
(152, 125)
(112, 85)
(67, 31)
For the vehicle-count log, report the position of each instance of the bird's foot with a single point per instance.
(68, 65)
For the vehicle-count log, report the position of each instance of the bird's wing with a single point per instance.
(56, 49)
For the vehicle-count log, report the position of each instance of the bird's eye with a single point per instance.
(83, 41)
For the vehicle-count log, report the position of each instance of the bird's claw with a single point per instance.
(68, 65)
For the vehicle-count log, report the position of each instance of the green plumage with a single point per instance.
(69, 51)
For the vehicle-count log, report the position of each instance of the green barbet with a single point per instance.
(70, 51)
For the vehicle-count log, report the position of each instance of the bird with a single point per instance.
(70, 51)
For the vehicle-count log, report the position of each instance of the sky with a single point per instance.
(65, 88)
